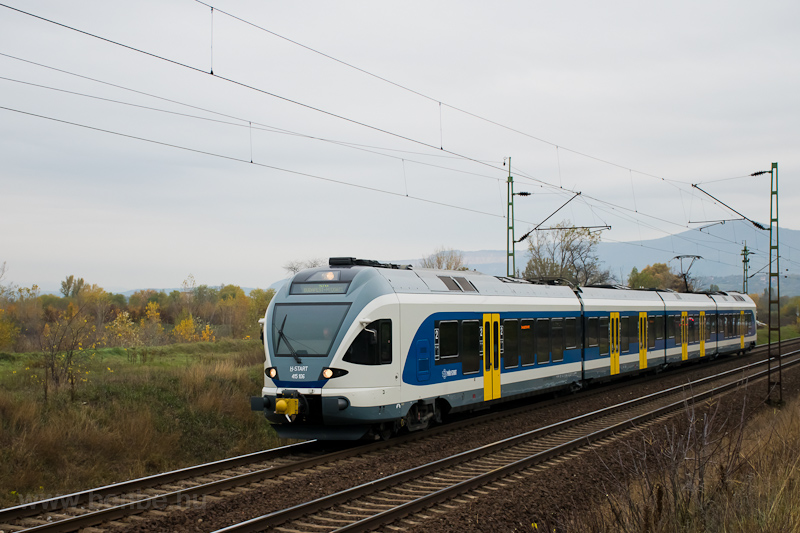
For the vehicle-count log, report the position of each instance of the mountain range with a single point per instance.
(719, 246)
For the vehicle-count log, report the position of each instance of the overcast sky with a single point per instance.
(626, 102)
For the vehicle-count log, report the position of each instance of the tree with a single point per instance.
(566, 253)
(71, 286)
(444, 259)
(151, 332)
(655, 276)
(205, 300)
(122, 331)
(233, 309)
(137, 302)
(63, 343)
(293, 267)
(188, 288)
(8, 331)
(259, 301)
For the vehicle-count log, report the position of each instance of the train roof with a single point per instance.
(404, 279)
(467, 282)
(408, 280)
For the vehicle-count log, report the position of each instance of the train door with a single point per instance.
(613, 336)
(642, 340)
(684, 335)
(741, 329)
(491, 356)
(702, 333)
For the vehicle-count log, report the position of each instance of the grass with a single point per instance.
(136, 414)
(712, 474)
(787, 332)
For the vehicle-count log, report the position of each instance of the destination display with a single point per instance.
(319, 288)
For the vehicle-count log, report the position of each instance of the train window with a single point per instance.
(445, 339)
(543, 340)
(651, 332)
(602, 332)
(591, 332)
(693, 327)
(679, 330)
(557, 339)
(470, 346)
(670, 327)
(527, 342)
(708, 318)
(660, 327)
(625, 340)
(372, 346)
(510, 344)
(570, 333)
(632, 333)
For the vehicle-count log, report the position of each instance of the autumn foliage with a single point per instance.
(86, 317)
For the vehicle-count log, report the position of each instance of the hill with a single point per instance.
(720, 265)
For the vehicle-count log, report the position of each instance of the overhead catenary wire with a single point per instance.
(345, 118)
(177, 102)
(230, 80)
(266, 128)
(431, 98)
(246, 86)
(231, 158)
(245, 124)
(329, 113)
(616, 207)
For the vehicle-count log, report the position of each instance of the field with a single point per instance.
(787, 332)
(135, 412)
(131, 413)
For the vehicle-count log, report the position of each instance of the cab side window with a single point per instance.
(373, 346)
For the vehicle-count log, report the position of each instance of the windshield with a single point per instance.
(306, 329)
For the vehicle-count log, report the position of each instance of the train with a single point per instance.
(360, 349)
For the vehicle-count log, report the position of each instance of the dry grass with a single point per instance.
(132, 418)
(712, 473)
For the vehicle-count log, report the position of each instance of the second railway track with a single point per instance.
(380, 502)
(187, 487)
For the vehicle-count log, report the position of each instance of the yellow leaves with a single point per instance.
(188, 330)
(152, 312)
(185, 331)
(122, 331)
(207, 334)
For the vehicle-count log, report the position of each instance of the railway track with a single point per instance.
(389, 499)
(195, 485)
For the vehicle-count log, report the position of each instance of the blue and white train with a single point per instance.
(363, 349)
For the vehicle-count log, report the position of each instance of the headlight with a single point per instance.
(328, 373)
(271, 372)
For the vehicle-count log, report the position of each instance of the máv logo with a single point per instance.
(448, 373)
